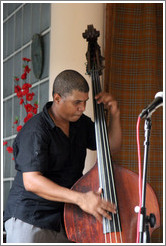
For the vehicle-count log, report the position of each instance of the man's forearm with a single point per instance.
(115, 132)
(35, 182)
(90, 202)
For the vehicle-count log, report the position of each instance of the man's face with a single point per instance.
(72, 106)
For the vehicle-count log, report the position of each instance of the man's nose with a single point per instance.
(82, 107)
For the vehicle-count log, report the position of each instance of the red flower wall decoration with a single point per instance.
(25, 96)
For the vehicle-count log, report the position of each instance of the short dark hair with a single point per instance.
(69, 80)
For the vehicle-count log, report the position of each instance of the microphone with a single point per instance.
(156, 103)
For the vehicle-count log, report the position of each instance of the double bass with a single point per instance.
(119, 185)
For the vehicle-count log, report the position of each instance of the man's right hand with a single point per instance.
(92, 203)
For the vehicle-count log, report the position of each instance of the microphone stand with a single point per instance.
(144, 235)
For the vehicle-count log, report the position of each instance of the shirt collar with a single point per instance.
(46, 114)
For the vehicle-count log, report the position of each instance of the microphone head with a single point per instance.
(159, 94)
(156, 103)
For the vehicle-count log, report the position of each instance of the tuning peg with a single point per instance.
(91, 33)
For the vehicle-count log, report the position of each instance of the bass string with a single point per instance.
(99, 142)
(105, 158)
(107, 183)
(103, 131)
(108, 164)
(100, 145)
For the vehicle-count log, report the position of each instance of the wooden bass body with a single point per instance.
(84, 228)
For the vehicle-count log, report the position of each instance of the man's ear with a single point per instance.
(56, 98)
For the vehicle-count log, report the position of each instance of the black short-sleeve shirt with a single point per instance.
(42, 146)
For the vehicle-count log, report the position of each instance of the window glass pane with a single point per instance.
(36, 18)
(18, 29)
(13, 170)
(11, 8)
(9, 119)
(16, 113)
(18, 65)
(45, 11)
(4, 119)
(5, 40)
(8, 77)
(43, 95)
(27, 53)
(5, 10)
(10, 35)
(5, 193)
(16, 5)
(35, 98)
(7, 158)
(27, 25)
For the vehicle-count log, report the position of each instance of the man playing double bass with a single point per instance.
(49, 155)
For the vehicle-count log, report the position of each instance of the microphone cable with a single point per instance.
(140, 177)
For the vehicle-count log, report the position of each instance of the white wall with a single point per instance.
(68, 47)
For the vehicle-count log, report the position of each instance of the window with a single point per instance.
(20, 22)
